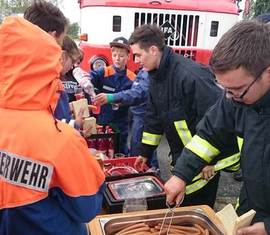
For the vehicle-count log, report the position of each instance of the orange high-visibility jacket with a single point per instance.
(49, 183)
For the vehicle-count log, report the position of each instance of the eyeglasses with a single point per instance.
(240, 97)
(250, 85)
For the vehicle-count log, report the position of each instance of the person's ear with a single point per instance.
(64, 57)
(54, 34)
(153, 50)
(58, 38)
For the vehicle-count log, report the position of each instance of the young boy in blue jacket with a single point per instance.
(113, 79)
(136, 97)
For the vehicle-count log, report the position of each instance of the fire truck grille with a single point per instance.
(187, 53)
(179, 30)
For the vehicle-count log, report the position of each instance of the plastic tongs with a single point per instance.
(170, 212)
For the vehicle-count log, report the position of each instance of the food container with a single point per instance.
(203, 216)
(121, 166)
(142, 186)
(146, 185)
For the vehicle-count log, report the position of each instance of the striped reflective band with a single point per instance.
(183, 131)
(202, 148)
(151, 139)
(237, 204)
(224, 163)
(240, 142)
(234, 168)
(227, 162)
(196, 186)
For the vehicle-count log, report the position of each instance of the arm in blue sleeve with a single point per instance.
(96, 78)
(216, 130)
(83, 208)
(152, 125)
(137, 94)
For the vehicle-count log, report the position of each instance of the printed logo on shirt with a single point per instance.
(70, 86)
(108, 88)
(25, 172)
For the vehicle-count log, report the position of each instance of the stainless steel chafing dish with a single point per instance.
(110, 226)
(143, 186)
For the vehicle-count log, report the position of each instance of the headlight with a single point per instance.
(97, 62)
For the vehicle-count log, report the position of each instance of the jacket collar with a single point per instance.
(119, 71)
(161, 72)
(261, 104)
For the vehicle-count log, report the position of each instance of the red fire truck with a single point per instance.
(191, 27)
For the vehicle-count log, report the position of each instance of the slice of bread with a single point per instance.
(244, 220)
(89, 126)
(78, 105)
(231, 221)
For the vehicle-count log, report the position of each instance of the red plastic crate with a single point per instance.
(121, 162)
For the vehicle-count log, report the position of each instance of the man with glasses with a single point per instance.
(241, 62)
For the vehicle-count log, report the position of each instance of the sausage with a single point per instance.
(145, 229)
(200, 228)
(134, 229)
(143, 233)
(185, 232)
(134, 226)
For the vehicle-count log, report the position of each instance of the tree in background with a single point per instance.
(254, 8)
(15, 7)
(73, 30)
(12, 7)
(261, 6)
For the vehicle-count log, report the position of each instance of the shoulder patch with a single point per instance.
(131, 76)
(108, 71)
(25, 172)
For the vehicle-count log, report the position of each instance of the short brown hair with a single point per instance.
(71, 48)
(147, 36)
(46, 16)
(247, 45)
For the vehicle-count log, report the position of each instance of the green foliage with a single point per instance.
(261, 6)
(257, 7)
(12, 7)
(73, 30)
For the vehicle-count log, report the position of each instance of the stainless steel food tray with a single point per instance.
(110, 226)
(143, 186)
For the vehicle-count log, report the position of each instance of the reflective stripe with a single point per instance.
(151, 139)
(240, 142)
(202, 148)
(237, 204)
(234, 168)
(224, 163)
(227, 162)
(196, 186)
(183, 131)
